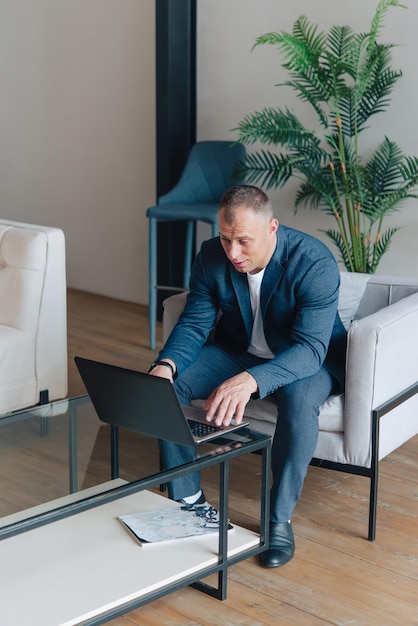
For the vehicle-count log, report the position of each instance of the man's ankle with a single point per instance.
(194, 499)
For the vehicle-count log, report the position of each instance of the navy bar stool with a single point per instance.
(206, 176)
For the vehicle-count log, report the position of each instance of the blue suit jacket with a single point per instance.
(299, 297)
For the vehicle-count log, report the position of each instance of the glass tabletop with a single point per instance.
(61, 452)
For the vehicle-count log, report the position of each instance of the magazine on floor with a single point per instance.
(172, 523)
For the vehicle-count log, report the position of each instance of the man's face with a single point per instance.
(249, 241)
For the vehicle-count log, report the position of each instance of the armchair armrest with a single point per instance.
(172, 308)
(382, 361)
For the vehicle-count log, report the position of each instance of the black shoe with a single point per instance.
(281, 545)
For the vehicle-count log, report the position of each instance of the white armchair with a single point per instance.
(33, 316)
(379, 410)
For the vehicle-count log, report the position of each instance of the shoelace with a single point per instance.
(208, 514)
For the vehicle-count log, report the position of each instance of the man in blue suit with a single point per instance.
(279, 334)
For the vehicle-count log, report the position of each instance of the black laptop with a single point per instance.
(145, 404)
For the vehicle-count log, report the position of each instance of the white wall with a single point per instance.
(233, 81)
(77, 132)
(77, 118)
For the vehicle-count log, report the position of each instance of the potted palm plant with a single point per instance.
(346, 78)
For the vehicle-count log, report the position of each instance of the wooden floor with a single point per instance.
(336, 576)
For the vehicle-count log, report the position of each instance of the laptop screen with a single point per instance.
(135, 400)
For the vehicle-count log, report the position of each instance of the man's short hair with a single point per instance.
(247, 196)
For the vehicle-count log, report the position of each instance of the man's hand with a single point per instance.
(230, 399)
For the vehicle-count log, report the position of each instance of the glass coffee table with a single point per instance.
(65, 479)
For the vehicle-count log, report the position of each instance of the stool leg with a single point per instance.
(152, 284)
(188, 253)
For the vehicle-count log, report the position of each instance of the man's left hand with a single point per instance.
(229, 400)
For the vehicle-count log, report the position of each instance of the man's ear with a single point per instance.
(273, 225)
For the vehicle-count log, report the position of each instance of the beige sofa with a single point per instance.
(33, 320)
(381, 367)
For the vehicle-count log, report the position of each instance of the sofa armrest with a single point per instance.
(382, 361)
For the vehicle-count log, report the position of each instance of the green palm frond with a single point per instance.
(275, 127)
(380, 14)
(355, 55)
(310, 164)
(359, 192)
(298, 57)
(339, 41)
(387, 203)
(369, 66)
(409, 169)
(347, 112)
(381, 247)
(345, 78)
(307, 33)
(372, 95)
(334, 77)
(340, 149)
(376, 99)
(345, 252)
(319, 194)
(313, 94)
(301, 49)
(265, 168)
(383, 169)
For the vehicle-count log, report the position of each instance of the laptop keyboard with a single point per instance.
(199, 429)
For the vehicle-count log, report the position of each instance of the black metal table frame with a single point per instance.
(261, 445)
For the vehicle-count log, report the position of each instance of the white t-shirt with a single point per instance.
(258, 345)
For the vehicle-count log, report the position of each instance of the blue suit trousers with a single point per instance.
(296, 431)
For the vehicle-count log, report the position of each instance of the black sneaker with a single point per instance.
(189, 507)
(203, 510)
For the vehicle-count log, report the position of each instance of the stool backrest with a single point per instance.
(207, 173)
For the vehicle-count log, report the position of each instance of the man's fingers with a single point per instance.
(224, 411)
(229, 400)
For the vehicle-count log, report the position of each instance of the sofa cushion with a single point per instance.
(23, 249)
(17, 367)
(265, 411)
(352, 288)
(23, 255)
(330, 415)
